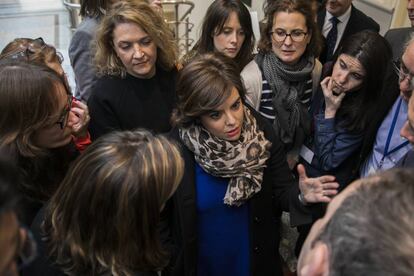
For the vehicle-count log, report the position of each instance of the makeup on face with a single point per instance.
(226, 121)
(136, 50)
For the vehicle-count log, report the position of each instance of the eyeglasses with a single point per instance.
(24, 53)
(63, 118)
(403, 73)
(279, 35)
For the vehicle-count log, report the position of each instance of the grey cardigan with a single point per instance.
(252, 78)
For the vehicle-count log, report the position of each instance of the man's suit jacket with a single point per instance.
(358, 21)
(397, 39)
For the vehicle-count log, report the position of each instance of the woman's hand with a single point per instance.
(333, 97)
(319, 189)
(79, 119)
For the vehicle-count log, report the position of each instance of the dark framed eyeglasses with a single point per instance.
(403, 73)
(279, 35)
(35, 46)
(63, 118)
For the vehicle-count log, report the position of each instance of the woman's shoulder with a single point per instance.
(251, 68)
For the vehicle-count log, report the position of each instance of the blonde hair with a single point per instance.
(104, 216)
(140, 13)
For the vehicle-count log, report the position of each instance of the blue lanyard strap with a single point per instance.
(391, 131)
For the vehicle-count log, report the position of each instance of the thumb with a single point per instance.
(302, 172)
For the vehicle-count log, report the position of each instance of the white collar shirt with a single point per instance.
(343, 21)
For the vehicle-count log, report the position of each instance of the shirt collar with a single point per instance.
(343, 18)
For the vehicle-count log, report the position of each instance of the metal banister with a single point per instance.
(181, 24)
(73, 7)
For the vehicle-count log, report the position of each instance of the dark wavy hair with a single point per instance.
(217, 15)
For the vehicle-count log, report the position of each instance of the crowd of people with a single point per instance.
(289, 156)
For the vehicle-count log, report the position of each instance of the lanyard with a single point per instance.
(390, 132)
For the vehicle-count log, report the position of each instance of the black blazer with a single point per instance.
(397, 39)
(279, 192)
(358, 21)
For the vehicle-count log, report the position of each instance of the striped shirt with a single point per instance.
(266, 105)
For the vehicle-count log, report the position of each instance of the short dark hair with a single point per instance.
(203, 85)
(301, 6)
(372, 232)
(217, 15)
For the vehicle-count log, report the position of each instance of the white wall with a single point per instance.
(197, 16)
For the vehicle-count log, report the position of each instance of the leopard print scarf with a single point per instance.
(242, 161)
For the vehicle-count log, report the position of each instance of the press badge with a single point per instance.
(306, 154)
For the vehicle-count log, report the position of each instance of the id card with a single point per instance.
(306, 154)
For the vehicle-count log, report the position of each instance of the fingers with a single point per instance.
(80, 105)
(340, 97)
(324, 199)
(329, 193)
(325, 86)
(330, 185)
(80, 110)
(326, 178)
(301, 173)
(325, 81)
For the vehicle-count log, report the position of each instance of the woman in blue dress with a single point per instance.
(225, 213)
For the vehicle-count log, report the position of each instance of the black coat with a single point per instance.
(358, 21)
(279, 192)
(130, 103)
(397, 39)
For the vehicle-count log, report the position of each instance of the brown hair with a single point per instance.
(28, 98)
(217, 15)
(203, 85)
(301, 6)
(151, 22)
(40, 54)
(104, 216)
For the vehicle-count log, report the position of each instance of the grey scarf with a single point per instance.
(292, 122)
